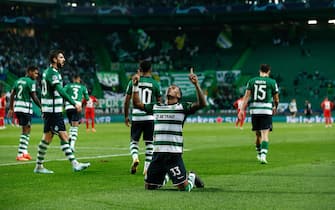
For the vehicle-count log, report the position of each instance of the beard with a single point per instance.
(59, 65)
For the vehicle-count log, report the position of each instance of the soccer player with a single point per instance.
(90, 111)
(327, 107)
(76, 91)
(52, 108)
(21, 104)
(168, 138)
(238, 104)
(263, 93)
(293, 108)
(2, 110)
(141, 122)
(308, 111)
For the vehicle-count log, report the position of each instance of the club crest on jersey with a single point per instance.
(54, 77)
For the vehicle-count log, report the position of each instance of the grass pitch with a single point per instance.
(300, 173)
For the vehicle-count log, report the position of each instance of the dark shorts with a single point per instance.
(24, 118)
(261, 122)
(139, 127)
(73, 115)
(53, 122)
(166, 163)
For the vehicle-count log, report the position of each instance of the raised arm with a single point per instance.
(201, 102)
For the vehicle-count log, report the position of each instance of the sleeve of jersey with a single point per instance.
(159, 94)
(65, 88)
(86, 96)
(33, 87)
(129, 88)
(248, 85)
(275, 89)
(148, 108)
(64, 94)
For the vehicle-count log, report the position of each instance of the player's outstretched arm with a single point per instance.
(201, 102)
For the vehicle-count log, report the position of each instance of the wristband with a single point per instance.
(136, 89)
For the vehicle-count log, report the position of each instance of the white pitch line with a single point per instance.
(65, 159)
(81, 147)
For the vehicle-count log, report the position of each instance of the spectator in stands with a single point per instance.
(327, 107)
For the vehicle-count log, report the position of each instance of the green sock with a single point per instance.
(264, 147)
(258, 149)
(68, 152)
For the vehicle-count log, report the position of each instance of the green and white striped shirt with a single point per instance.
(51, 100)
(262, 91)
(168, 125)
(149, 92)
(23, 87)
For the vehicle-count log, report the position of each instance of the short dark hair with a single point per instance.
(53, 54)
(76, 76)
(145, 66)
(265, 68)
(31, 68)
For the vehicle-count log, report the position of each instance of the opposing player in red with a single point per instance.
(238, 105)
(2, 110)
(327, 107)
(90, 111)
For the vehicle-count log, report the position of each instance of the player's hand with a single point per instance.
(274, 111)
(136, 77)
(10, 113)
(78, 107)
(127, 121)
(193, 77)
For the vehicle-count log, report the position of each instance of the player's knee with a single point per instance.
(151, 186)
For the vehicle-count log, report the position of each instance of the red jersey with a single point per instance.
(3, 106)
(91, 102)
(327, 106)
(238, 104)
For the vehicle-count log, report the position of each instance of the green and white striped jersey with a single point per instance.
(149, 92)
(51, 100)
(76, 91)
(168, 125)
(23, 102)
(262, 91)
